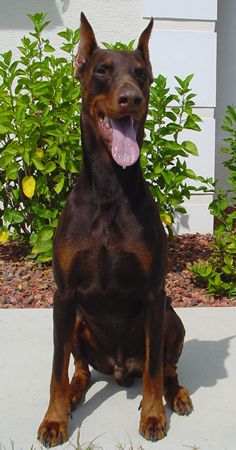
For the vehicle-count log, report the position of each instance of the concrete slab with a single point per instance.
(109, 415)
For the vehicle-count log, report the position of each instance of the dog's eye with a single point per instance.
(140, 74)
(101, 71)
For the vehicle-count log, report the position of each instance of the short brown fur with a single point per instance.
(110, 253)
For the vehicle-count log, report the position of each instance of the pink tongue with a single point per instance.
(125, 150)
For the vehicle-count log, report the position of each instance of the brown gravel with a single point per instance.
(25, 284)
(179, 285)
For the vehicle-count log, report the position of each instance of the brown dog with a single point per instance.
(110, 251)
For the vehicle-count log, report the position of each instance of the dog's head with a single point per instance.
(115, 92)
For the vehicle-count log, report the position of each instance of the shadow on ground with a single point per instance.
(201, 365)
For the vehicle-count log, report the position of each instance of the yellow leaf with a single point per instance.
(166, 218)
(28, 186)
(39, 153)
(4, 235)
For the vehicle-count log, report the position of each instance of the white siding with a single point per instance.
(226, 79)
(197, 219)
(181, 9)
(182, 53)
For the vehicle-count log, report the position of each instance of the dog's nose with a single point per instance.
(130, 98)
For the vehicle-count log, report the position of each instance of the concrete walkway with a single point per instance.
(109, 416)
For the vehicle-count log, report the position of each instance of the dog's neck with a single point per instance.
(101, 173)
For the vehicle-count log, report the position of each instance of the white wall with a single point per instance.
(226, 77)
(112, 20)
(183, 42)
(181, 9)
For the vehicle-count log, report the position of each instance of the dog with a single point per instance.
(110, 253)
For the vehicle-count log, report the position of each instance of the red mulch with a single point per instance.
(25, 284)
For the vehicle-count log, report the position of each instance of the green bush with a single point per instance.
(218, 274)
(165, 152)
(40, 103)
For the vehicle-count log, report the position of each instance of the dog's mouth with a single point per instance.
(120, 135)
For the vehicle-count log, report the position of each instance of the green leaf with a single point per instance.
(5, 160)
(67, 47)
(4, 129)
(72, 167)
(13, 67)
(33, 238)
(168, 177)
(228, 259)
(12, 171)
(208, 270)
(226, 128)
(43, 212)
(196, 118)
(171, 115)
(12, 216)
(188, 79)
(172, 145)
(45, 257)
(190, 148)
(231, 111)
(2, 65)
(76, 37)
(180, 81)
(190, 96)
(38, 164)
(226, 270)
(62, 161)
(60, 179)
(42, 246)
(191, 124)
(66, 34)
(7, 56)
(191, 174)
(158, 170)
(49, 167)
(49, 48)
(181, 210)
(45, 234)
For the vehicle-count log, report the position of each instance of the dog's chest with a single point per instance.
(110, 265)
(112, 257)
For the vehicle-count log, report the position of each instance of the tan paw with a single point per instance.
(182, 403)
(153, 428)
(52, 433)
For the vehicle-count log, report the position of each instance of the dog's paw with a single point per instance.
(182, 403)
(153, 428)
(52, 433)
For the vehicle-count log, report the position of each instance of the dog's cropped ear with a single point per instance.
(87, 45)
(143, 45)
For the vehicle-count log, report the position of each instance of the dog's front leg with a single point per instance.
(53, 429)
(153, 418)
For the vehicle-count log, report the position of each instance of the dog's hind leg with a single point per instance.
(177, 397)
(81, 375)
(79, 382)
